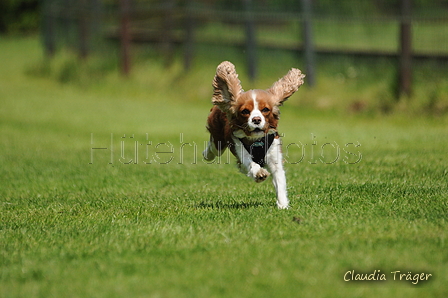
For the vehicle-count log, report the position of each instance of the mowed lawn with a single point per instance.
(105, 194)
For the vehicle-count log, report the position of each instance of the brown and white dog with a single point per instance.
(246, 122)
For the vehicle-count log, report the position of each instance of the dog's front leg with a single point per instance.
(247, 165)
(274, 160)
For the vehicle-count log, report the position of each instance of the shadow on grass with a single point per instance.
(228, 205)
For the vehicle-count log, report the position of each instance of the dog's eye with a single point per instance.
(265, 110)
(245, 112)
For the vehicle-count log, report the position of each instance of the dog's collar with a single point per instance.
(258, 147)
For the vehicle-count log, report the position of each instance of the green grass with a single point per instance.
(74, 229)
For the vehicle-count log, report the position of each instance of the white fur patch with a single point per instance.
(256, 113)
(274, 160)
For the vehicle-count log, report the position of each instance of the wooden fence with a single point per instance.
(172, 23)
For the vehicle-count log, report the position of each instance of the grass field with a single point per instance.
(147, 217)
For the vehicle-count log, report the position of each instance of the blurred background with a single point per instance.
(377, 56)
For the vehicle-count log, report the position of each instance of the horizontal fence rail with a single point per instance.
(185, 23)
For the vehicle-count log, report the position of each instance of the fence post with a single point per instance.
(66, 25)
(189, 34)
(125, 36)
(83, 19)
(251, 46)
(48, 23)
(308, 43)
(167, 45)
(405, 49)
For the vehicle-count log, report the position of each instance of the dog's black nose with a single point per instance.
(256, 120)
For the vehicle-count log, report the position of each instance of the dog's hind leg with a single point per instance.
(213, 149)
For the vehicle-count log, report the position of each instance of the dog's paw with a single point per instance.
(282, 202)
(261, 175)
(282, 206)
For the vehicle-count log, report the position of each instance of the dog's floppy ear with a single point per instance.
(286, 86)
(227, 86)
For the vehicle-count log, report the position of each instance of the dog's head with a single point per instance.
(255, 112)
